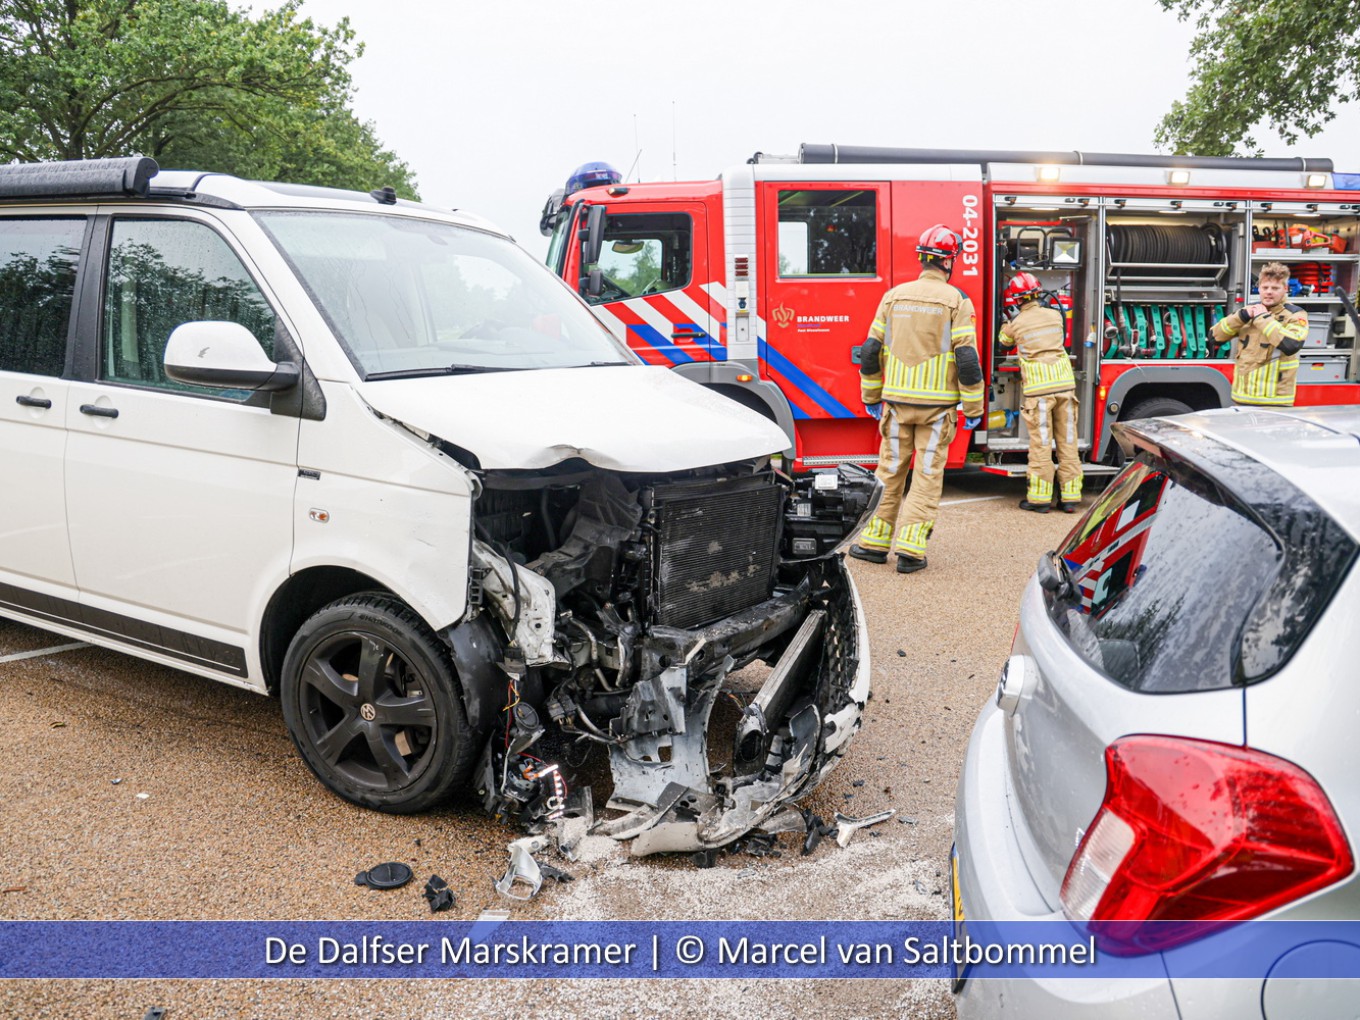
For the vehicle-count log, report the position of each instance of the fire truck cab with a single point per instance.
(762, 283)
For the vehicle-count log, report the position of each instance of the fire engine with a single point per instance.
(762, 283)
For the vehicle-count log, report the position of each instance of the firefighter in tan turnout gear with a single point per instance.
(1270, 335)
(920, 360)
(1049, 408)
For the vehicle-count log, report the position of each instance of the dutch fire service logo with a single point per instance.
(783, 316)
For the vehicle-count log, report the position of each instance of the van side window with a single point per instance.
(827, 233)
(163, 273)
(645, 253)
(38, 260)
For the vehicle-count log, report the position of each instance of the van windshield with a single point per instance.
(410, 297)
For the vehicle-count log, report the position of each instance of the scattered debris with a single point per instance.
(904, 820)
(857, 782)
(759, 844)
(816, 830)
(523, 869)
(115, 782)
(704, 858)
(154, 1013)
(556, 874)
(902, 653)
(58, 725)
(439, 894)
(143, 796)
(747, 873)
(921, 887)
(13, 888)
(392, 875)
(846, 827)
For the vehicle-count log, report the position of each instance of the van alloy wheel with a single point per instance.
(372, 704)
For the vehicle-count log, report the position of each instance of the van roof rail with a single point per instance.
(85, 178)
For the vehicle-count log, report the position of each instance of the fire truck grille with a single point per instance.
(717, 551)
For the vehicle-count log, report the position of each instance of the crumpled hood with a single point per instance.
(617, 417)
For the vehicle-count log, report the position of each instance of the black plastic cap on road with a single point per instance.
(392, 875)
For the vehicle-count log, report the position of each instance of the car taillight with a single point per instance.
(1198, 831)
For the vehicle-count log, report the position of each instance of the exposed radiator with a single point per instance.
(716, 551)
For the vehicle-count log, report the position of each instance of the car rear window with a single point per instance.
(1177, 585)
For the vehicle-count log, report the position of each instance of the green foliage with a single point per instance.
(1282, 63)
(192, 83)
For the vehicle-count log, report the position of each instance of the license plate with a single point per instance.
(960, 972)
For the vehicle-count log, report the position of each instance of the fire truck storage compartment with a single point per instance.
(1319, 243)
(1053, 239)
(1172, 269)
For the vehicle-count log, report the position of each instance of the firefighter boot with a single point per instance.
(872, 555)
(1038, 508)
(910, 564)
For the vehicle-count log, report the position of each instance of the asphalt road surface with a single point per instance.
(131, 791)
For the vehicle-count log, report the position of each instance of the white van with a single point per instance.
(369, 457)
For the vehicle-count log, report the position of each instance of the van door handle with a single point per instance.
(99, 412)
(23, 400)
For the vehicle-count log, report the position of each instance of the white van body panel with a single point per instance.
(394, 507)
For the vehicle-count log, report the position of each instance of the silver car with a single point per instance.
(1174, 734)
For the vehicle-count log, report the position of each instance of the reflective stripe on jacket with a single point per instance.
(1264, 373)
(921, 325)
(1037, 334)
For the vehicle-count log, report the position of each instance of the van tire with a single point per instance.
(346, 702)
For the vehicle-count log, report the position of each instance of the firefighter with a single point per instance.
(1049, 408)
(920, 360)
(1270, 335)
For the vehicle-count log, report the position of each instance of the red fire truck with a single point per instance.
(763, 282)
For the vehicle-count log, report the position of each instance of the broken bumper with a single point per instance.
(791, 735)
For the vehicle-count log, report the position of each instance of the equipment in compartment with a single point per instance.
(1165, 287)
(1150, 251)
(1049, 248)
(1167, 331)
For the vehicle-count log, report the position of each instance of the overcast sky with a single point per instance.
(494, 103)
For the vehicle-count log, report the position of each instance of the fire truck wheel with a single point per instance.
(1156, 407)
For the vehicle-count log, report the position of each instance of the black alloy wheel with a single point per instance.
(372, 703)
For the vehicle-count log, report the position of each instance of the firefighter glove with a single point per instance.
(1244, 316)
(875, 411)
(971, 423)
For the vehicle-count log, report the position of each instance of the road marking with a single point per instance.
(39, 652)
(975, 499)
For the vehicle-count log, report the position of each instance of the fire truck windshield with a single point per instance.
(408, 296)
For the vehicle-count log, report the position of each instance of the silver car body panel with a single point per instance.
(1033, 780)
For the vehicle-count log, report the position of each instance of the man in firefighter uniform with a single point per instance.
(920, 360)
(1049, 408)
(1270, 335)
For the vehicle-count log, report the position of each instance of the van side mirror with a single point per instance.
(224, 355)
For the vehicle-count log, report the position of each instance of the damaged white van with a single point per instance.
(369, 457)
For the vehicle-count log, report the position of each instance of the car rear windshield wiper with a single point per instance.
(1055, 576)
(600, 364)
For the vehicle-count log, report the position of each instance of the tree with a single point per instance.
(1281, 63)
(192, 83)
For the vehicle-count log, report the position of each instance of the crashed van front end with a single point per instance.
(629, 602)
